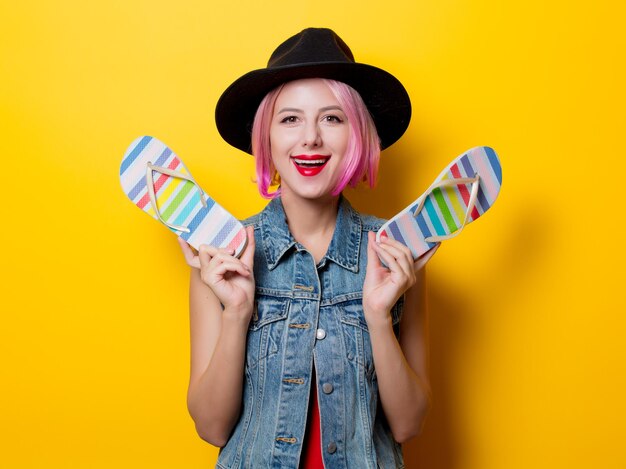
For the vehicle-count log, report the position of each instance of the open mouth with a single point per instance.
(310, 165)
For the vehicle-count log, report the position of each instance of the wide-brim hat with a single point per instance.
(313, 53)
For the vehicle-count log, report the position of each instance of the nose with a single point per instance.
(312, 137)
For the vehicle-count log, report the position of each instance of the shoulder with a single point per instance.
(251, 221)
(370, 222)
(256, 222)
(257, 219)
(366, 221)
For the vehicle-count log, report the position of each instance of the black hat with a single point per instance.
(313, 53)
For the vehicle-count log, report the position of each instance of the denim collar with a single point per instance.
(344, 246)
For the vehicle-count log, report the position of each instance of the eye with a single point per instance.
(333, 118)
(289, 120)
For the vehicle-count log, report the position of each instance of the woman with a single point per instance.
(308, 351)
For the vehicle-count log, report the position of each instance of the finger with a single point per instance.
(184, 246)
(424, 258)
(399, 251)
(190, 257)
(211, 250)
(205, 255)
(399, 264)
(230, 266)
(401, 254)
(223, 256)
(373, 261)
(394, 243)
(406, 258)
(390, 261)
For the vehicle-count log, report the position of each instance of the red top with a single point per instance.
(312, 449)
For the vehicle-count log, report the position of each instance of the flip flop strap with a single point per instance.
(153, 200)
(475, 182)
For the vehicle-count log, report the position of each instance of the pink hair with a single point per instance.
(362, 154)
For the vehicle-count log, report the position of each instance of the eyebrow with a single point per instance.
(322, 109)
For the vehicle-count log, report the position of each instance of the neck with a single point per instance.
(311, 222)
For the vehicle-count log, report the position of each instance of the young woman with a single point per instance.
(309, 350)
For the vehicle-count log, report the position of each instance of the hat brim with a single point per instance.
(383, 94)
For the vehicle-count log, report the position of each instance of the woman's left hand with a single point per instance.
(383, 286)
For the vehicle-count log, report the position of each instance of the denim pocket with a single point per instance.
(266, 328)
(356, 335)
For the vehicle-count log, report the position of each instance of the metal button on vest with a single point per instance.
(327, 388)
(332, 447)
(320, 334)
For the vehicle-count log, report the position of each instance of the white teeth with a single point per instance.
(309, 161)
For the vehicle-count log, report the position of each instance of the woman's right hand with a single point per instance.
(231, 279)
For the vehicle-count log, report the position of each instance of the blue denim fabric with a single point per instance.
(310, 315)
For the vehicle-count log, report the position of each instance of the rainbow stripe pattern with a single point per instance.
(180, 202)
(444, 209)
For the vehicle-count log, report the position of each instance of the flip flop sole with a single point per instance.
(444, 208)
(178, 200)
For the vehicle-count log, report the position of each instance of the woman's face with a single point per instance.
(308, 138)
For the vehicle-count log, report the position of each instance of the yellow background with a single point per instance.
(527, 306)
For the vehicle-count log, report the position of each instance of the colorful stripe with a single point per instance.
(224, 233)
(488, 179)
(410, 231)
(445, 211)
(167, 192)
(444, 208)
(195, 223)
(422, 225)
(178, 199)
(141, 184)
(185, 188)
(158, 184)
(433, 216)
(153, 152)
(494, 163)
(141, 145)
(187, 209)
(237, 240)
(465, 193)
(211, 228)
(455, 201)
(395, 232)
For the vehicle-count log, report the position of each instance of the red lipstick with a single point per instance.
(310, 165)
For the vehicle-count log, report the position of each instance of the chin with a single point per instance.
(310, 194)
(325, 195)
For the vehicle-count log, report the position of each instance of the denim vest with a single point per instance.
(307, 316)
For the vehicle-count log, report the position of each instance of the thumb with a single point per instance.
(248, 255)
(372, 256)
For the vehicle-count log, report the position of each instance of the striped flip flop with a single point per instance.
(462, 193)
(155, 180)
